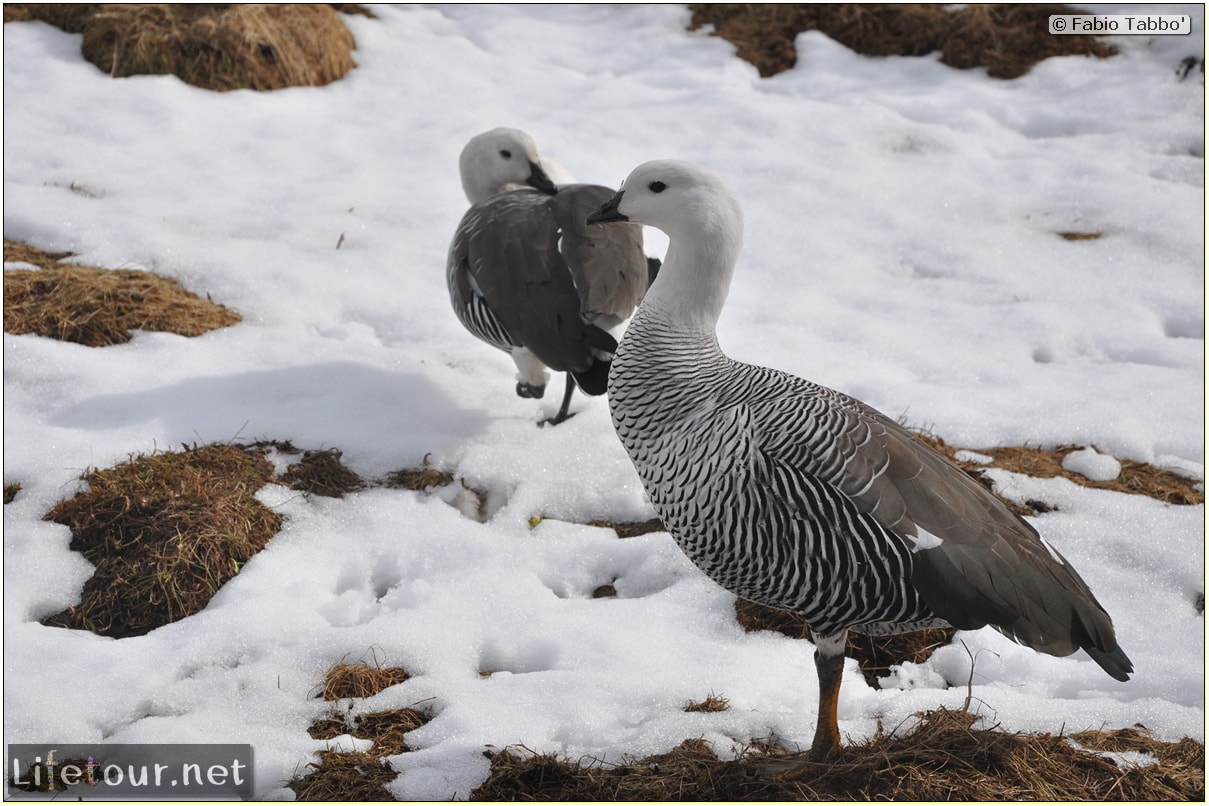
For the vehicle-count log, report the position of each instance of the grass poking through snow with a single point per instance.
(165, 531)
(218, 47)
(99, 307)
(359, 775)
(360, 679)
(1007, 39)
(942, 757)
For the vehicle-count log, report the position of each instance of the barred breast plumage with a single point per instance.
(802, 498)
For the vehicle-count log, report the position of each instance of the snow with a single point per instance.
(1091, 464)
(901, 246)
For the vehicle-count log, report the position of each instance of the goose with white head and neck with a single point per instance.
(529, 277)
(801, 498)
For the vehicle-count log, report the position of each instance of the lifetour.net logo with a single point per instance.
(97, 771)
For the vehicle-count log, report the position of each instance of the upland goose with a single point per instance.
(801, 498)
(528, 276)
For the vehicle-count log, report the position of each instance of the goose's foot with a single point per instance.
(563, 414)
(529, 390)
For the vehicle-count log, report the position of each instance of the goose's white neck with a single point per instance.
(695, 277)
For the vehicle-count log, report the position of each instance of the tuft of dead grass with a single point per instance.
(1007, 39)
(712, 704)
(215, 46)
(10, 492)
(470, 501)
(388, 729)
(323, 473)
(419, 479)
(1136, 478)
(360, 679)
(754, 617)
(99, 307)
(354, 777)
(165, 532)
(942, 757)
(69, 17)
(875, 654)
(358, 776)
(626, 529)
(18, 252)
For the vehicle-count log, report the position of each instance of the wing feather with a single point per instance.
(506, 255)
(975, 561)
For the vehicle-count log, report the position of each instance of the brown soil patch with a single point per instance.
(99, 307)
(942, 758)
(1007, 39)
(216, 46)
(165, 531)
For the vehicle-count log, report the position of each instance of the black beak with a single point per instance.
(538, 179)
(608, 211)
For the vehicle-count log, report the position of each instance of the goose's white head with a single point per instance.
(704, 224)
(682, 199)
(499, 161)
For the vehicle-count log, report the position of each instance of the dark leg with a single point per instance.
(562, 411)
(827, 733)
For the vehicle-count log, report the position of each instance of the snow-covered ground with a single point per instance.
(901, 246)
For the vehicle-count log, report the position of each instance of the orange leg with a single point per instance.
(830, 669)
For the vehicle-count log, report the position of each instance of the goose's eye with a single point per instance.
(657, 187)
(505, 153)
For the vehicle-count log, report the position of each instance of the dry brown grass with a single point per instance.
(1007, 39)
(419, 479)
(323, 473)
(631, 528)
(360, 679)
(10, 492)
(874, 654)
(349, 777)
(165, 531)
(99, 307)
(712, 704)
(1136, 478)
(358, 776)
(386, 729)
(943, 757)
(215, 46)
